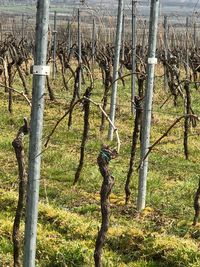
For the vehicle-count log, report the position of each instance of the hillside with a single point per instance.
(171, 7)
(69, 216)
(89, 184)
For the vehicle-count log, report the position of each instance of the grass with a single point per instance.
(69, 217)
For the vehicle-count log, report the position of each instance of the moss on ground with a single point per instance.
(69, 217)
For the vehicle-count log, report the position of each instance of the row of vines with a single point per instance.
(82, 54)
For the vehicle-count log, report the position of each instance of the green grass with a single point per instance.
(69, 216)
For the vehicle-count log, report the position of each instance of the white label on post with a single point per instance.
(40, 70)
(152, 60)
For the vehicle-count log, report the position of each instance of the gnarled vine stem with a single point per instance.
(104, 157)
(19, 152)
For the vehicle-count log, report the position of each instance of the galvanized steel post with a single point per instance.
(146, 123)
(116, 66)
(36, 125)
(134, 40)
(54, 44)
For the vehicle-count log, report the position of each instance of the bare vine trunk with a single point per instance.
(108, 80)
(135, 136)
(141, 80)
(187, 119)
(50, 90)
(75, 94)
(196, 205)
(103, 159)
(23, 80)
(61, 57)
(10, 101)
(86, 106)
(19, 152)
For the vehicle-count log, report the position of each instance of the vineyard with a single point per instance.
(90, 181)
